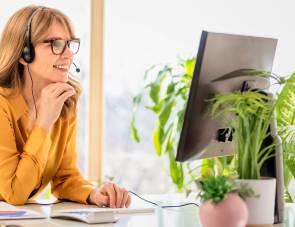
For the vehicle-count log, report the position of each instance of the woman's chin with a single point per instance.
(62, 78)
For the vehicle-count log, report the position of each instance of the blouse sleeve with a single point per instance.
(68, 182)
(21, 170)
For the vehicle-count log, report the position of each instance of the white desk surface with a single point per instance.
(176, 217)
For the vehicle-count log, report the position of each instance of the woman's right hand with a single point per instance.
(50, 103)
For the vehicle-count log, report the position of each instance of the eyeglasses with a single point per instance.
(58, 46)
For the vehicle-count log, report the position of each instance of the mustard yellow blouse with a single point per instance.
(29, 160)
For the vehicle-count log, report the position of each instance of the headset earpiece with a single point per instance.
(28, 53)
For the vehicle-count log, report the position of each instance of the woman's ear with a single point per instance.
(22, 61)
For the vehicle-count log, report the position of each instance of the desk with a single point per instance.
(176, 217)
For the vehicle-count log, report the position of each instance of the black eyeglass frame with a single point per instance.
(67, 44)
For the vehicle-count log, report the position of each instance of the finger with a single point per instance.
(55, 87)
(128, 201)
(61, 89)
(120, 194)
(101, 200)
(124, 199)
(64, 96)
(110, 191)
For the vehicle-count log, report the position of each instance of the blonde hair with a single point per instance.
(12, 43)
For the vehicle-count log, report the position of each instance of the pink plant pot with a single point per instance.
(230, 212)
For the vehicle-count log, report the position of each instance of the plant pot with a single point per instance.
(261, 209)
(230, 212)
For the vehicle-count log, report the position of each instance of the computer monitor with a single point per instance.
(221, 62)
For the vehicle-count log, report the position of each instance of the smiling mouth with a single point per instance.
(61, 67)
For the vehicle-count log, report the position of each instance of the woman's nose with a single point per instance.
(67, 53)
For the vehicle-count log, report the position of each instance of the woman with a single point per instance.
(38, 112)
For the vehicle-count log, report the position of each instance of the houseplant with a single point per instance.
(221, 203)
(249, 115)
(167, 87)
(285, 113)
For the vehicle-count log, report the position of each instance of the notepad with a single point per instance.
(9, 212)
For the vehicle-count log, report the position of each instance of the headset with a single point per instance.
(28, 53)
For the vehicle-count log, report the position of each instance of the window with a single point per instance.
(139, 34)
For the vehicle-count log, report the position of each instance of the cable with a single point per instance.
(148, 201)
(36, 114)
(163, 207)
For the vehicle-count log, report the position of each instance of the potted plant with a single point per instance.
(221, 204)
(249, 114)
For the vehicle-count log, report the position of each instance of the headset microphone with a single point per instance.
(77, 69)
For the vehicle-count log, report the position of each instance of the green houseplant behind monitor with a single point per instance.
(221, 61)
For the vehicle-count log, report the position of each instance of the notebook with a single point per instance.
(9, 212)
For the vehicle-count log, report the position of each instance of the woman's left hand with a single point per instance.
(110, 195)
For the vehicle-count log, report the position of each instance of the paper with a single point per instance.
(9, 212)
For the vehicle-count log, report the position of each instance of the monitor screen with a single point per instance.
(221, 61)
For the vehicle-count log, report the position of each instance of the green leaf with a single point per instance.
(285, 112)
(176, 171)
(134, 130)
(180, 119)
(157, 139)
(148, 71)
(207, 168)
(137, 100)
(288, 197)
(166, 137)
(189, 65)
(154, 108)
(214, 188)
(155, 87)
(291, 166)
(170, 88)
(166, 110)
(285, 107)
(287, 134)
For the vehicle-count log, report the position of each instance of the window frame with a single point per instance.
(96, 92)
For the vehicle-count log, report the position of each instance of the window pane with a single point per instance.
(139, 34)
